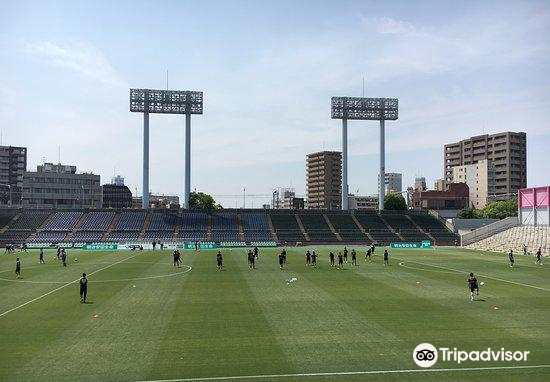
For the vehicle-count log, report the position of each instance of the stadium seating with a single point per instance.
(286, 227)
(123, 236)
(86, 237)
(131, 221)
(194, 221)
(49, 236)
(255, 226)
(158, 235)
(373, 224)
(97, 221)
(224, 221)
(13, 237)
(435, 228)
(29, 221)
(347, 229)
(40, 226)
(63, 221)
(162, 221)
(5, 217)
(317, 228)
(514, 238)
(192, 236)
(218, 235)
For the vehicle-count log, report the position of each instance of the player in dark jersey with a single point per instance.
(83, 288)
(42, 256)
(353, 257)
(219, 260)
(284, 255)
(256, 252)
(64, 257)
(251, 260)
(372, 247)
(472, 283)
(314, 259)
(331, 258)
(58, 253)
(17, 268)
(340, 260)
(308, 258)
(386, 257)
(176, 258)
(346, 254)
(368, 255)
(538, 256)
(281, 259)
(511, 257)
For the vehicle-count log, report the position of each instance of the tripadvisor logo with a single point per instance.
(425, 355)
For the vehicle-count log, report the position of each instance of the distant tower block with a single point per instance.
(166, 102)
(369, 109)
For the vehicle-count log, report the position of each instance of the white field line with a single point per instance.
(64, 286)
(343, 373)
(478, 274)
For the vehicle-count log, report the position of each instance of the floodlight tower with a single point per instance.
(166, 102)
(378, 109)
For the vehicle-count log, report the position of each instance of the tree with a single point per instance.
(395, 202)
(500, 209)
(203, 202)
(467, 213)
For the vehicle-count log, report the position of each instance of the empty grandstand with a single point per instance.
(238, 227)
(533, 237)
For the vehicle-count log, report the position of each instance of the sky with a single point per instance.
(268, 70)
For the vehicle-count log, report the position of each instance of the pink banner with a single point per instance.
(534, 197)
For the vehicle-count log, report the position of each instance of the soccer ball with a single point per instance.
(482, 283)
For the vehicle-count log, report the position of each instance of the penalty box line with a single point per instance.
(479, 274)
(343, 373)
(64, 286)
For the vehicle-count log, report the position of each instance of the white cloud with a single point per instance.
(80, 57)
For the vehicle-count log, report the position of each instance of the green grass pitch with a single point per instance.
(147, 321)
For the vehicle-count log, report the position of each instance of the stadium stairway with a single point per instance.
(272, 229)
(392, 230)
(420, 229)
(301, 225)
(361, 228)
(111, 227)
(177, 227)
(13, 220)
(209, 227)
(240, 226)
(329, 223)
(145, 225)
(41, 226)
(76, 227)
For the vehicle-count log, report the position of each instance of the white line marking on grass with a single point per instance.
(101, 281)
(421, 269)
(479, 274)
(344, 373)
(63, 286)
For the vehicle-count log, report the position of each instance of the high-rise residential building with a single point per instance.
(480, 178)
(324, 180)
(13, 163)
(60, 186)
(507, 151)
(420, 184)
(392, 183)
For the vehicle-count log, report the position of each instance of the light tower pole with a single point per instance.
(187, 187)
(166, 102)
(382, 165)
(145, 196)
(344, 164)
(370, 109)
